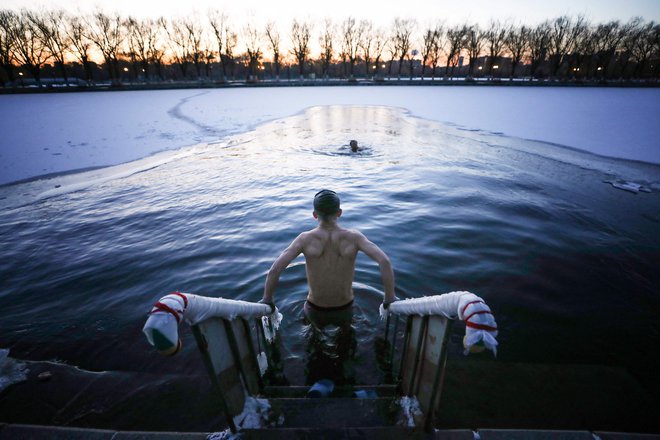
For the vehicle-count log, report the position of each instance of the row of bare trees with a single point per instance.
(192, 47)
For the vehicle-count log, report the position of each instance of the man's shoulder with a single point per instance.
(353, 234)
(306, 236)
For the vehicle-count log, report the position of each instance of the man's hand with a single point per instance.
(268, 302)
(386, 304)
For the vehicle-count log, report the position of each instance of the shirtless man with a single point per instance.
(330, 253)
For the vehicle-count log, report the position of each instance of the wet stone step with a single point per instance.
(387, 433)
(333, 412)
(340, 391)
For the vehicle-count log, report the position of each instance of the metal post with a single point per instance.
(387, 326)
(393, 346)
(418, 351)
(267, 348)
(439, 378)
(246, 327)
(233, 346)
(404, 352)
(203, 348)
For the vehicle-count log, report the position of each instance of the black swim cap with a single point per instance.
(326, 202)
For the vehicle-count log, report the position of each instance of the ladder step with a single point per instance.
(373, 433)
(333, 412)
(340, 391)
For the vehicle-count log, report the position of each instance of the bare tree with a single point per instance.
(273, 37)
(583, 54)
(177, 40)
(495, 36)
(208, 54)
(380, 42)
(539, 40)
(517, 43)
(253, 48)
(8, 23)
(105, 32)
(402, 38)
(646, 44)
(226, 40)
(157, 47)
(436, 50)
(474, 40)
(607, 38)
(218, 21)
(133, 34)
(195, 36)
(142, 40)
(51, 25)
(153, 52)
(564, 33)
(81, 45)
(630, 31)
(231, 41)
(456, 37)
(350, 42)
(430, 40)
(366, 42)
(392, 51)
(327, 49)
(300, 35)
(31, 50)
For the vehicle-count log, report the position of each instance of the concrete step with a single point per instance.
(336, 412)
(388, 433)
(340, 391)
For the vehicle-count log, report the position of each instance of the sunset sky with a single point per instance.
(380, 12)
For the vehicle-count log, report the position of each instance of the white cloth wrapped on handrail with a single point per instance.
(480, 325)
(175, 307)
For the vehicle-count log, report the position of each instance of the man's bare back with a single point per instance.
(330, 253)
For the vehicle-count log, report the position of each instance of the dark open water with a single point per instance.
(568, 263)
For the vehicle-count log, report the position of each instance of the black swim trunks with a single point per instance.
(323, 316)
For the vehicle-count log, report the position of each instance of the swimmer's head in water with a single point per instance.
(326, 203)
(354, 145)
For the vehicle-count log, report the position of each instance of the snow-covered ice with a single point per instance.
(11, 370)
(55, 133)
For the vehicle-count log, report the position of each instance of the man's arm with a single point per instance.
(384, 264)
(294, 249)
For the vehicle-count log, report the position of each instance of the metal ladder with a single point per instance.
(230, 349)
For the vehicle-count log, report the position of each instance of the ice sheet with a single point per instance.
(11, 370)
(55, 133)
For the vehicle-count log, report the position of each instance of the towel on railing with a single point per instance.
(480, 325)
(161, 328)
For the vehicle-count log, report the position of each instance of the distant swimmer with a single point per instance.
(354, 146)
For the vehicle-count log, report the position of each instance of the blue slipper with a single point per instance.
(322, 388)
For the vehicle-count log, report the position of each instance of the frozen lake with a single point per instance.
(54, 133)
